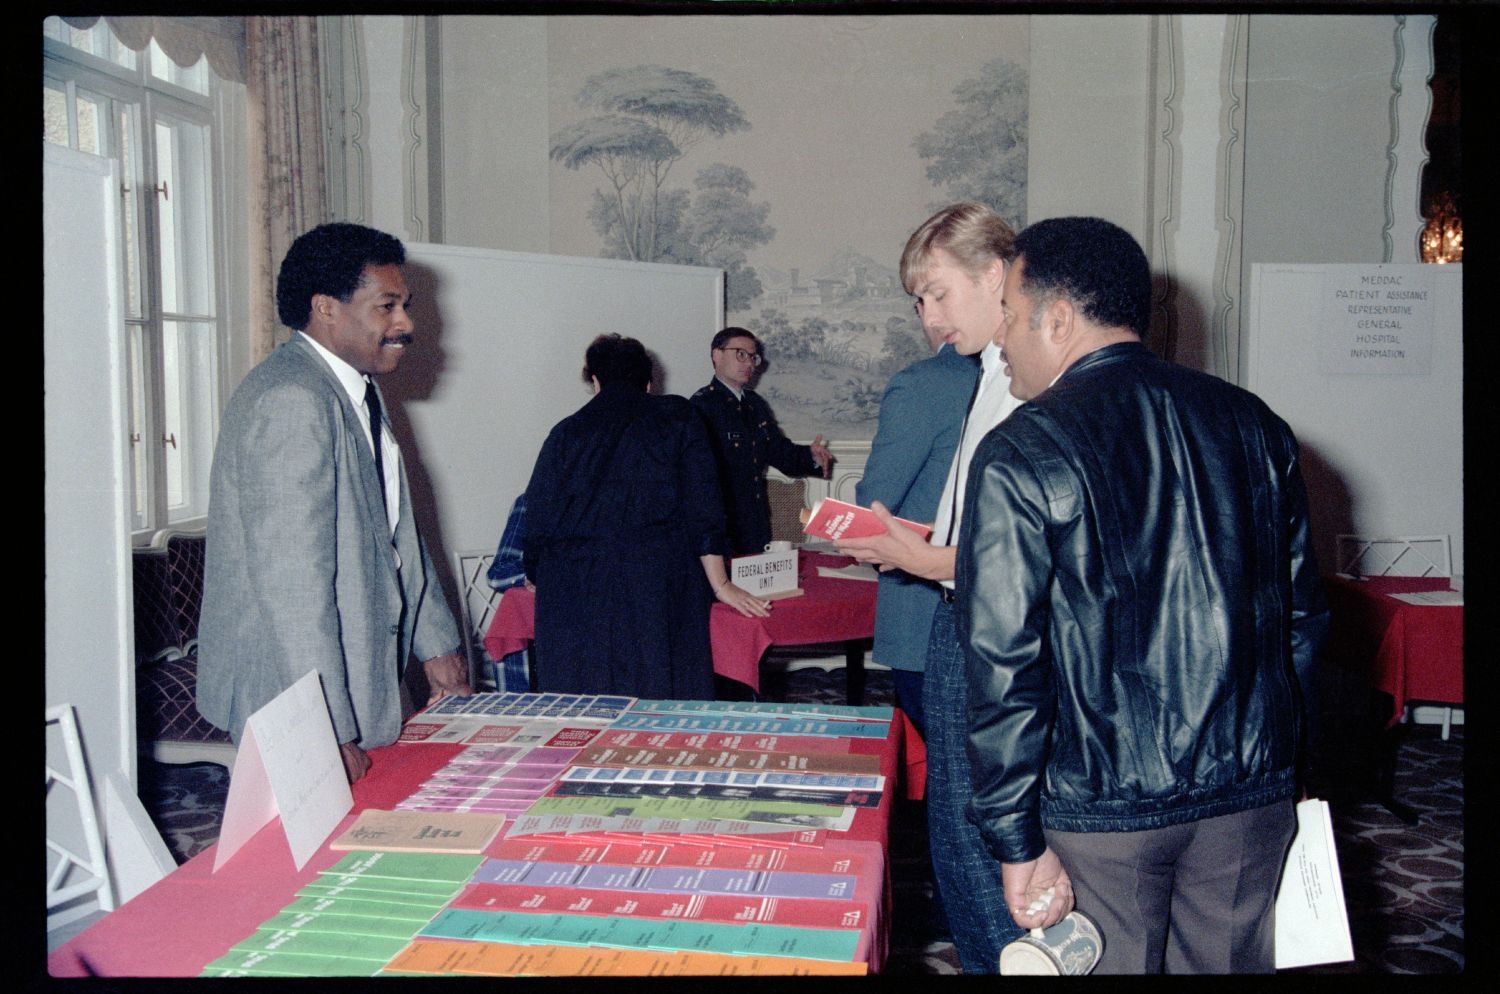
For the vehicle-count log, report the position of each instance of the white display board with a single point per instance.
(90, 622)
(1365, 362)
(89, 665)
(497, 363)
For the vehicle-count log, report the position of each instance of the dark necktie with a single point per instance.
(372, 403)
(953, 512)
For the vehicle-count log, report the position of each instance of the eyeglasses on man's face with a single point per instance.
(753, 358)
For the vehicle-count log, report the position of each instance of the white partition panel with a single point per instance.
(90, 627)
(497, 362)
(1365, 362)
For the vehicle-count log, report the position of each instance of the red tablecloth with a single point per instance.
(193, 916)
(1414, 652)
(829, 610)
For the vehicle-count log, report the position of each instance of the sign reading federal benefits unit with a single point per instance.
(1377, 320)
(770, 574)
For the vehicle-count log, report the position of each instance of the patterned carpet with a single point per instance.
(1403, 884)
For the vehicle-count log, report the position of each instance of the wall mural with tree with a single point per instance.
(796, 154)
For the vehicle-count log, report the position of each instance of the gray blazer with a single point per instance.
(301, 569)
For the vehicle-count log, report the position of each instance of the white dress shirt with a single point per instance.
(353, 382)
(992, 405)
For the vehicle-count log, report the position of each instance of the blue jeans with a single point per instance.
(967, 876)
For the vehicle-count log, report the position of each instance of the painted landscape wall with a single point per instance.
(797, 154)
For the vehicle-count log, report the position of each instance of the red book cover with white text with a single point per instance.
(798, 860)
(812, 912)
(752, 741)
(835, 519)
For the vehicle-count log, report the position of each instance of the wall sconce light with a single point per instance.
(1443, 235)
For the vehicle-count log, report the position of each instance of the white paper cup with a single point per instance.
(780, 545)
(1071, 948)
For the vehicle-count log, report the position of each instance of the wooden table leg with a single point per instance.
(1386, 743)
(854, 671)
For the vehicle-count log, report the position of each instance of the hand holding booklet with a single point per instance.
(835, 519)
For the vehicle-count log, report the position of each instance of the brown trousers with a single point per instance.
(1191, 898)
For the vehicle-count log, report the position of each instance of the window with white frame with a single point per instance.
(160, 122)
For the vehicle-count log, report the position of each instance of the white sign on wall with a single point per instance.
(1376, 320)
(1381, 455)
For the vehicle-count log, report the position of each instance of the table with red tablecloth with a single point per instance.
(830, 609)
(1413, 652)
(193, 916)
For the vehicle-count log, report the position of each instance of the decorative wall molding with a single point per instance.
(1406, 150)
(1225, 321)
(1196, 200)
(1165, 164)
(346, 102)
(415, 201)
(434, 128)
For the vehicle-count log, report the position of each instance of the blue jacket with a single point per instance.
(920, 418)
(1139, 604)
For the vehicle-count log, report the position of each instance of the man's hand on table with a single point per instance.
(742, 600)
(898, 547)
(356, 761)
(447, 675)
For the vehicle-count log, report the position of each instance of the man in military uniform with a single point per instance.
(747, 439)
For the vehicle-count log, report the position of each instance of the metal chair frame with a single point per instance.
(478, 602)
(93, 864)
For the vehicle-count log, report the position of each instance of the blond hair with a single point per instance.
(969, 231)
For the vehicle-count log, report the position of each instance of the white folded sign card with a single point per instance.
(766, 574)
(288, 764)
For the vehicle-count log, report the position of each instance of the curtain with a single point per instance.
(287, 160)
(185, 40)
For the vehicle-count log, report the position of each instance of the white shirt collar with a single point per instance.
(989, 357)
(352, 380)
(738, 395)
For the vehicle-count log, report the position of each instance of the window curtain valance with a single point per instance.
(184, 39)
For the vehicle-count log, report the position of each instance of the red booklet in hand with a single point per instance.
(835, 519)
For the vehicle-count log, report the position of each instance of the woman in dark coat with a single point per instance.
(624, 540)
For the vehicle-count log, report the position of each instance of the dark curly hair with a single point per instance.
(330, 259)
(1093, 263)
(617, 359)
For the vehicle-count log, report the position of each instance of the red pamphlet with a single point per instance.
(835, 519)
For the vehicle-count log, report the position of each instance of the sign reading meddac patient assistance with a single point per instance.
(1377, 320)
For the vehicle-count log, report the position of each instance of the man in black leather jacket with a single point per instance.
(1140, 606)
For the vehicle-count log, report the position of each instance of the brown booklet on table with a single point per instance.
(420, 831)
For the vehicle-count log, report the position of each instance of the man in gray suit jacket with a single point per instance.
(313, 556)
